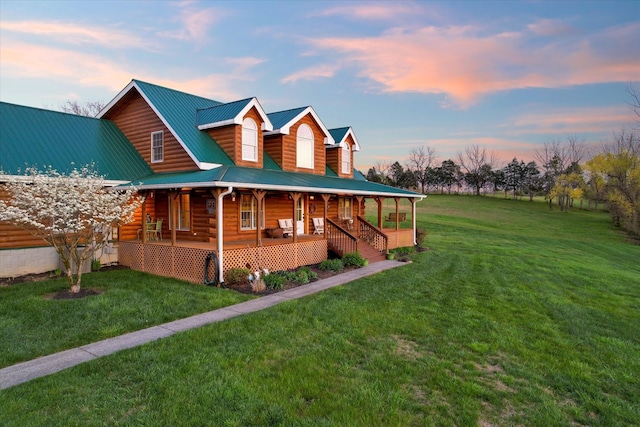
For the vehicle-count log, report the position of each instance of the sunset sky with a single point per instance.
(505, 75)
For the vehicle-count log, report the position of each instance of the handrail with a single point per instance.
(339, 239)
(372, 235)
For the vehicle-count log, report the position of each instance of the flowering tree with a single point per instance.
(68, 211)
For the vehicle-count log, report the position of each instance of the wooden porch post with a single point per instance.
(359, 213)
(173, 195)
(144, 218)
(295, 197)
(259, 195)
(326, 198)
(397, 213)
(379, 201)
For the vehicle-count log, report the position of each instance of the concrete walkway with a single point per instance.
(26, 371)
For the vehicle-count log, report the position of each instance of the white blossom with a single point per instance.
(68, 211)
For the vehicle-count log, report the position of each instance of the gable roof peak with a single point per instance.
(283, 120)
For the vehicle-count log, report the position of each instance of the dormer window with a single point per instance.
(346, 159)
(157, 147)
(304, 147)
(249, 140)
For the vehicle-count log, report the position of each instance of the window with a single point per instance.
(157, 147)
(300, 210)
(184, 212)
(249, 140)
(345, 207)
(304, 147)
(346, 159)
(249, 212)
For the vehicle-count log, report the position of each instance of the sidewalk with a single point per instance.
(26, 371)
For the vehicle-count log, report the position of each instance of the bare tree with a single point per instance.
(476, 163)
(89, 109)
(634, 94)
(420, 159)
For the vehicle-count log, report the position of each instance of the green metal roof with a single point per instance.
(339, 133)
(281, 118)
(242, 177)
(221, 113)
(269, 163)
(178, 109)
(42, 138)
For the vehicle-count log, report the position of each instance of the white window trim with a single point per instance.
(154, 159)
(249, 130)
(342, 207)
(252, 213)
(346, 159)
(305, 159)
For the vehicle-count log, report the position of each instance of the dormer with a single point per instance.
(340, 154)
(298, 140)
(238, 128)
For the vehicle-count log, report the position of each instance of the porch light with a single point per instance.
(233, 196)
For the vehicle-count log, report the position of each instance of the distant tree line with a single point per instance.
(562, 171)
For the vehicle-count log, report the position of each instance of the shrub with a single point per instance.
(421, 234)
(312, 275)
(275, 280)
(353, 259)
(237, 275)
(332, 265)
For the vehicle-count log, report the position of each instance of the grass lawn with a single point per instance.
(33, 325)
(516, 316)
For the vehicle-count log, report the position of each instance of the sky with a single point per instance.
(507, 76)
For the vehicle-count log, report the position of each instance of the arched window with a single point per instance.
(346, 159)
(304, 147)
(249, 140)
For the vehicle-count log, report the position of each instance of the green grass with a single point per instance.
(515, 316)
(33, 325)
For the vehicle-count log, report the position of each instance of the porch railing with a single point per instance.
(372, 235)
(339, 240)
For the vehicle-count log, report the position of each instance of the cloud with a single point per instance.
(573, 121)
(75, 34)
(312, 73)
(194, 23)
(463, 63)
(373, 11)
(24, 60)
(550, 27)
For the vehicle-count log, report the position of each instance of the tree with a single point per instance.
(420, 161)
(513, 177)
(68, 211)
(618, 166)
(532, 182)
(89, 109)
(448, 174)
(477, 164)
(569, 186)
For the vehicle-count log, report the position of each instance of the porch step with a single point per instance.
(369, 252)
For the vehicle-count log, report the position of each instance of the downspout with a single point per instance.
(220, 239)
(413, 215)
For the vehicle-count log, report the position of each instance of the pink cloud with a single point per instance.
(375, 11)
(463, 65)
(311, 73)
(573, 121)
(75, 34)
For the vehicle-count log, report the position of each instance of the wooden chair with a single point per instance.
(156, 232)
(286, 225)
(318, 225)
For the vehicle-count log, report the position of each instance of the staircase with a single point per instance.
(369, 252)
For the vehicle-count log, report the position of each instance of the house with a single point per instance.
(218, 180)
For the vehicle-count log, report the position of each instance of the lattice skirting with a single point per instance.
(188, 263)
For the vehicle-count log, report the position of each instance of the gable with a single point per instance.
(177, 111)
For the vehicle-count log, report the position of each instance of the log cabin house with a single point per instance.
(221, 181)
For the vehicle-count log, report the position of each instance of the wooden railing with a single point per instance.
(339, 240)
(372, 235)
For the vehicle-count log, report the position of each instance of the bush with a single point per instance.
(353, 259)
(237, 275)
(332, 265)
(421, 234)
(275, 280)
